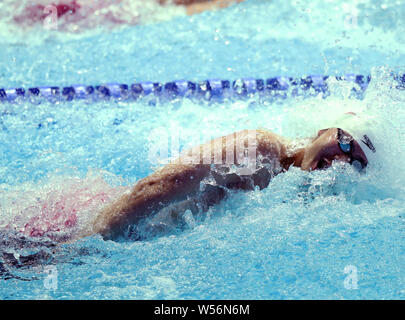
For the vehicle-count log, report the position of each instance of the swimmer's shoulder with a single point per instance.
(271, 144)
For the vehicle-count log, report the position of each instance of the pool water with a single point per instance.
(334, 234)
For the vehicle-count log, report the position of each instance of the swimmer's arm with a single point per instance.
(174, 182)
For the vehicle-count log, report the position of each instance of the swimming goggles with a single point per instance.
(345, 142)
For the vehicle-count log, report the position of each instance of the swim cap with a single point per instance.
(361, 128)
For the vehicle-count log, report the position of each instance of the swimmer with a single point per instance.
(72, 14)
(182, 185)
(160, 201)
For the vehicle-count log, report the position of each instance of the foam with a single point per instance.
(291, 240)
(59, 207)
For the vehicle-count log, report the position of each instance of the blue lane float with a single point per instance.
(207, 89)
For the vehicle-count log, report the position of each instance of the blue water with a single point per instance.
(292, 240)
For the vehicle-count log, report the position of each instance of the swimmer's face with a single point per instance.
(330, 145)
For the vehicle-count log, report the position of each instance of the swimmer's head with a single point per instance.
(349, 141)
(333, 144)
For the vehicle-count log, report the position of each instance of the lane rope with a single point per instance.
(208, 89)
